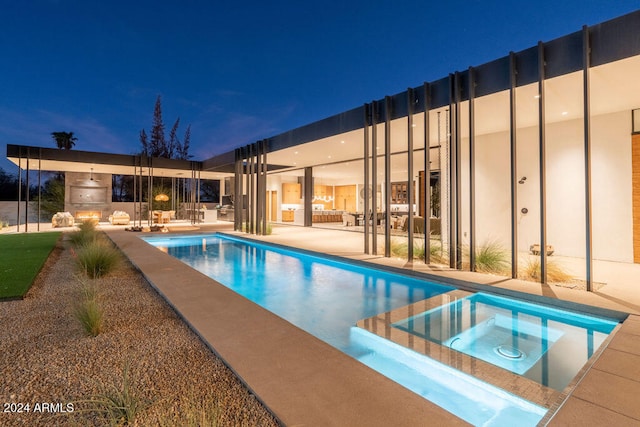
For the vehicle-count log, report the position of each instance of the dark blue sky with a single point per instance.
(244, 71)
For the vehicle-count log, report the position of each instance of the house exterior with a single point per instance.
(537, 149)
(536, 153)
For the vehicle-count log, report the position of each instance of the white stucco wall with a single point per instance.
(611, 188)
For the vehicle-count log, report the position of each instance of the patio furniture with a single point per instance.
(119, 218)
(164, 217)
(418, 224)
(402, 223)
(348, 219)
(62, 219)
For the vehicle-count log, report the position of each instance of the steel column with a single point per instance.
(26, 205)
(236, 190)
(198, 190)
(265, 170)
(149, 192)
(586, 52)
(458, 191)
(513, 75)
(472, 171)
(247, 170)
(374, 169)
(542, 153)
(387, 171)
(308, 196)
(39, 183)
(258, 189)
(249, 177)
(451, 166)
(427, 178)
(19, 187)
(410, 107)
(366, 174)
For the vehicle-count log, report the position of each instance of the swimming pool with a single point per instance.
(326, 298)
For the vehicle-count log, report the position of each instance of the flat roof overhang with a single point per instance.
(53, 159)
(611, 41)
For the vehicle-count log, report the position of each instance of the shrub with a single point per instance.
(555, 272)
(399, 248)
(86, 233)
(418, 249)
(436, 253)
(492, 258)
(89, 311)
(97, 258)
(119, 402)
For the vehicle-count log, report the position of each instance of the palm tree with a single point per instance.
(64, 140)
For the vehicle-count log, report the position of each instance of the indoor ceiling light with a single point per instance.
(161, 198)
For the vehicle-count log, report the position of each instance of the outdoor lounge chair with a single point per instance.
(119, 218)
(62, 219)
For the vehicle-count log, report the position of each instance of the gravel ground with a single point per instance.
(46, 357)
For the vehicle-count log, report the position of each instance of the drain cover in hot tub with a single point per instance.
(509, 352)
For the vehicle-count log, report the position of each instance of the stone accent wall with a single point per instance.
(88, 192)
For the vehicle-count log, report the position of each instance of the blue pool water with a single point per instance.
(326, 298)
(527, 339)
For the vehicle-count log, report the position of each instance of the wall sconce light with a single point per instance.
(522, 180)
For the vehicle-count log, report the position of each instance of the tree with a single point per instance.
(52, 199)
(209, 190)
(8, 186)
(144, 141)
(64, 140)
(183, 150)
(157, 145)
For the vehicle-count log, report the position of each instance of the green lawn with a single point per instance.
(21, 258)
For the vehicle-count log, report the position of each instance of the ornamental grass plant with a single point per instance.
(118, 403)
(492, 258)
(88, 310)
(86, 233)
(531, 270)
(97, 258)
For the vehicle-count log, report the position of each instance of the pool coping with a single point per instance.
(301, 379)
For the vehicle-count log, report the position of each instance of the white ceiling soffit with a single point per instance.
(67, 166)
(614, 87)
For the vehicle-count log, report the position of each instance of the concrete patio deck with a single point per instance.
(305, 381)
